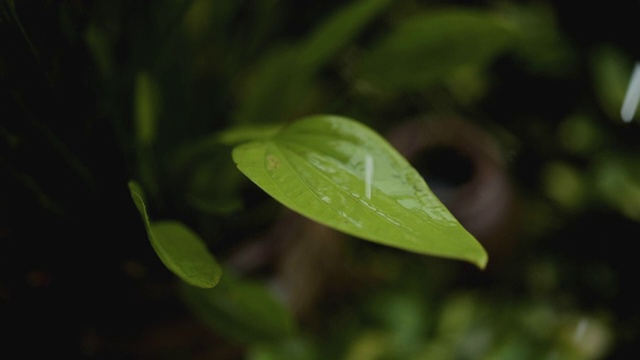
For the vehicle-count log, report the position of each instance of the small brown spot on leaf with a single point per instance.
(272, 162)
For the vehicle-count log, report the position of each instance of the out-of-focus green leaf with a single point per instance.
(337, 31)
(370, 345)
(212, 185)
(180, 249)
(582, 134)
(565, 185)
(267, 91)
(294, 348)
(241, 310)
(284, 77)
(235, 135)
(611, 71)
(146, 116)
(205, 172)
(98, 43)
(616, 179)
(427, 48)
(147, 103)
(342, 174)
(539, 43)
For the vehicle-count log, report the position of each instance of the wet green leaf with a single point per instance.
(428, 48)
(241, 310)
(342, 174)
(179, 248)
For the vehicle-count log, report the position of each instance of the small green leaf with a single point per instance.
(340, 173)
(180, 249)
(241, 310)
(184, 253)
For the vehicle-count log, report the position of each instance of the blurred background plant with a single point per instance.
(509, 109)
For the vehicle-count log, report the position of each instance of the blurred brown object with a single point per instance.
(303, 260)
(464, 166)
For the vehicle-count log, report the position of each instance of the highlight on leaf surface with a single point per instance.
(180, 249)
(340, 173)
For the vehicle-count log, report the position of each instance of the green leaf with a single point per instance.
(179, 248)
(184, 253)
(292, 69)
(238, 134)
(428, 48)
(212, 185)
(147, 102)
(611, 69)
(137, 194)
(241, 310)
(259, 103)
(146, 106)
(337, 31)
(203, 173)
(340, 173)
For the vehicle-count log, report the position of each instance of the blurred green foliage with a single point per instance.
(99, 92)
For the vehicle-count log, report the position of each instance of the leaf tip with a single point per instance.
(479, 258)
(482, 262)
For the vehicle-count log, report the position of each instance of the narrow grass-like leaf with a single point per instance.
(342, 174)
(179, 248)
(337, 31)
(291, 69)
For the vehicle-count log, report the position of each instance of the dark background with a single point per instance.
(77, 275)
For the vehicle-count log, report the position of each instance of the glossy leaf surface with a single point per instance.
(180, 249)
(340, 173)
